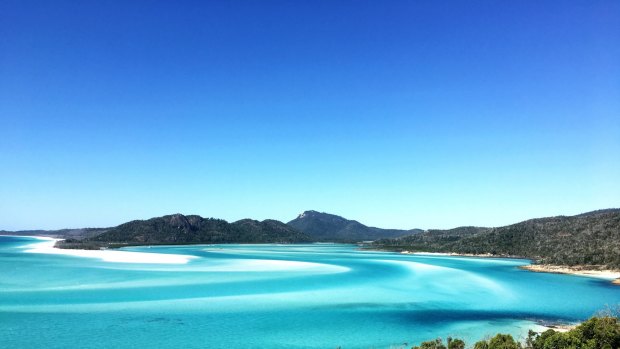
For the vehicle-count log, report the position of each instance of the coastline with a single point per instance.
(47, 246)
(559, 327)
(454, 254)
(607, 274)
(611, 275)
(484, 255)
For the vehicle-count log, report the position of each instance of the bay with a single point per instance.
(275, 296)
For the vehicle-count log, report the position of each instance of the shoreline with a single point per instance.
(454, 254)
(611, 275)
(562, 328)
(483, 255)
(47, 246)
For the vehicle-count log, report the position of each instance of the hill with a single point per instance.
(589, 239)
(328, 227)
(180, 229)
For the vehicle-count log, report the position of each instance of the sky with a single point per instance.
(399, 114)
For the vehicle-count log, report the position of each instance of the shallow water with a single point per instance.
(276, 296)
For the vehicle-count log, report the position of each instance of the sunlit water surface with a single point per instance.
(276, 296)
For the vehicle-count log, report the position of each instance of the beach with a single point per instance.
(612, 275)
(116, 256)
(607, 274)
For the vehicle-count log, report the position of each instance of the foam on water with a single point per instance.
(272, 296)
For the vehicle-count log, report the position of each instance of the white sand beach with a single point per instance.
(116, 256)
(559, 269)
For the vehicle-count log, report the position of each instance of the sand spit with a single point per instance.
(115, 256)
(576, 270)
(485, 255)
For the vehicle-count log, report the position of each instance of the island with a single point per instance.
(585, 244)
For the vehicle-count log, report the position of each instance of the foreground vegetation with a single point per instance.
(599, 332)
(590, 239)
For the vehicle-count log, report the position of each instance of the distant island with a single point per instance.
(328, 227)
(178, 229)
(586, 241)
(310, 226)
(564, 244)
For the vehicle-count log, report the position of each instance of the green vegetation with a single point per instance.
(180, 229)
(328, 227)
(436, 344)
(590, 239)
(599, 332)
(502, 341)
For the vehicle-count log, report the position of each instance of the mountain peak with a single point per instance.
(326, 226)
(308, 213)
(192, 229)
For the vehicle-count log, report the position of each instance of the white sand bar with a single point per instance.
(115, 256)
(560, 269)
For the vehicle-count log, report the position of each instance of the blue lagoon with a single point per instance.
(273, 296)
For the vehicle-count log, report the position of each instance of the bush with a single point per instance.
(599, 332)
(503, 341)
(595, 333)
(436, 344)
(481, 345)
(456, 344)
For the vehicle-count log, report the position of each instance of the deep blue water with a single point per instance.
(276, 296)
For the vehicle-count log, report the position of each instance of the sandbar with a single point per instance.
(575, 270)
(115, 256)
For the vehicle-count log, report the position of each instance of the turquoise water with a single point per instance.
(276, 296)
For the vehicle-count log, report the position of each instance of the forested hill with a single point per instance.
(180, 229)
(590, 239)
(328, 227)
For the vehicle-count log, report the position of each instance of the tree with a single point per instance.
(531, 338)
(568, 340)
(539, 341)
(481, 345)
(503, 341)
(599, 332)
(456, 344)
(603, 331)
(436, 344)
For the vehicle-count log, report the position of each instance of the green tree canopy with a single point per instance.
(503, 341)
(481, 345)
(456, 344)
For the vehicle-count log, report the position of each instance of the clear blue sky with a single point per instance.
(399, 114)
